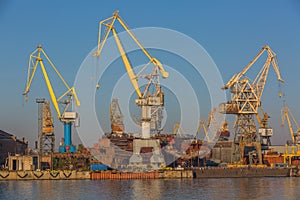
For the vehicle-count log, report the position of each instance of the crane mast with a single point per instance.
(65, 116)
(245, 102)
(46, 137)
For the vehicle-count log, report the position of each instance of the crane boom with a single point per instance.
(127, 65)
(271, 59)
(34, 61)
(109, 24)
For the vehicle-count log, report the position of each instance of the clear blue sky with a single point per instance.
(231, 31)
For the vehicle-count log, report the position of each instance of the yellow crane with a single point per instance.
(151, 99)
(265, 131)
(178, 131)
(245, 102)
(109, 25)
(203, 126)
(293, 126)
(213, 126)
(149, 102)
(65, 116)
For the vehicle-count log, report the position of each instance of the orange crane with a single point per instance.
(116, 117)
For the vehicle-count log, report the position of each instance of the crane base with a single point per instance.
(67, 149)
(157, 159)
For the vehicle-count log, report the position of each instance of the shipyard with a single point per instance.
(249, 154)
(145, 103)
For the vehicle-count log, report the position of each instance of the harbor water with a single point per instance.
(226, 188)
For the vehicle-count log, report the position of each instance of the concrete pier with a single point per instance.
(44, 175)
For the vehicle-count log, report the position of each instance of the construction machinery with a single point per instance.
(244, 103)
(293, 126)
(66, 116)
(116, 117)
(46, 137)
(179, 132)
(265, 131)
(150, 97)
(213, 129)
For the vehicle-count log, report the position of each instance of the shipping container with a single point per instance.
(98, 167)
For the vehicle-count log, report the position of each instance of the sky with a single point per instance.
(232, 33)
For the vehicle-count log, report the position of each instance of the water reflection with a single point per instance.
(238, 188)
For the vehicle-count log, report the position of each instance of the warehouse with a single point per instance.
(10, 144)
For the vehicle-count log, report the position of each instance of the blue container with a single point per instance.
(62, 149)
(72, 149)
(98, 167)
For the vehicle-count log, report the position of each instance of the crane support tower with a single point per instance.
(46, 137)
(66, 116)
(150, 99)
(245, 102)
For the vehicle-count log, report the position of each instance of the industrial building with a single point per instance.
(10, 144)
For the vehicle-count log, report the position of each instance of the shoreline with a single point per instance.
(215, 172)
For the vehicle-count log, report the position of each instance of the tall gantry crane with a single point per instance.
(150, 99)
(293, 126)
(245, 102)
(66, 116)
(46, 137)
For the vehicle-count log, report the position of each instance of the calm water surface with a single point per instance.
(237, 188)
